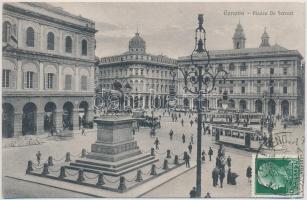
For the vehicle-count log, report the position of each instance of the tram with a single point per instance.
(237, 136)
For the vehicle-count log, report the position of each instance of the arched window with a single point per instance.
(30, 37)
(84, 47)
(68, 44)
(50, 41)
(6, 31)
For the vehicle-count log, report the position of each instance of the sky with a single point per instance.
(168, 28)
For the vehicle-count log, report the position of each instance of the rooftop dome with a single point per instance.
(137, 44)
(239, 33)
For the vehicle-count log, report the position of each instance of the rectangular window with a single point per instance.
(243, 90)
(258, 89)
(29, 77)
(258, 70)
(50, 80)
(285, 90)
(271, 70)
(142, 72)
(231, 81)
(285, 71)
(258, 81)
(220, 90)
(243, 81)
(231, 91)
(68, 80)
(6, 78)
(243, 67)
(272, 90)
(83, 83)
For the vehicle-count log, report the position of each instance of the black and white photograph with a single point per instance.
(153, 99)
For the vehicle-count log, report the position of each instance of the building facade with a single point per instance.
(148, 75)
(268, 79)
(47, 69)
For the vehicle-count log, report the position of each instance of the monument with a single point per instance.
(115, 152)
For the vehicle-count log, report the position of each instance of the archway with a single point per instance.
(7, 120)
(157, 102)
(271, 107)
(242, 105)
(258, 106)
(83, 114)
(68, 108)
(285, 108)
(49, 117)
(232, 103)
(147, 102)
(29, 119)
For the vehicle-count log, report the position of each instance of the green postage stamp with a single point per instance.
(277, 176)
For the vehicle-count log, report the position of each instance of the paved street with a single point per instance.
(15, 159)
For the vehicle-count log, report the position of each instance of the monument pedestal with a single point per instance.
(115, 152)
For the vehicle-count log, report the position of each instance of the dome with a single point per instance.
(137, 44)
(265, 34)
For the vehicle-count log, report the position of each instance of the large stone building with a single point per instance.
(267, 79)
(47, 69)
(148, 75)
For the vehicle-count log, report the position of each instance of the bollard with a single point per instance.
(139, 177)
(165, 164)
(29, 167)
(153, 170)
(168, 153)
(122, 184)
(45, 169)
(152, 152)
(176, 162)
(50, 162)
(80, 176)
(67, 157)
(62, 173)
(83, 152)
(100, 180)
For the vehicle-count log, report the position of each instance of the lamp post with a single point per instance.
(199, 79)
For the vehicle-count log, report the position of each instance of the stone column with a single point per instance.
(143, 106)
(191, 103)
(41, 76)
(75, 119)
(19, 76)
(40, 122)
(60, 78)
(17, 124)
(59, 120)
(278, 105)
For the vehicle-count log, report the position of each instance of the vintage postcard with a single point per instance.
(153, 99)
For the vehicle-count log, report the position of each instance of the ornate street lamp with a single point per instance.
(172, 91)
(199, 79)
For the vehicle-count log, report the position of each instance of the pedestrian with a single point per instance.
(222, 176)
(190, 148)
(182, 122)
(83, 131)
(157, 142)
(51, 131)
(229, 162)
(210, 153)
(38, 157)
(191, 122)
(192, 138)
(215, 175)
(183, 138)
(193, 193)
(229, 176)
(208, 195)
(249, 173)
(203, 156)
(171, 133)
(186, 158)
(133, 132)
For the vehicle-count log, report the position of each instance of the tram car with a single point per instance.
(237, 136)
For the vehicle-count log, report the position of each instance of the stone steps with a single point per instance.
(97, 167)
